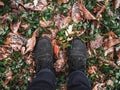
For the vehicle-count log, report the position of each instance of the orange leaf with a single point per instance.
(56, 48)
(92, 69)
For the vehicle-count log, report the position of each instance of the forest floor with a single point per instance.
(95, 23)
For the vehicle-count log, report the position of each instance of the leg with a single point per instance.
(77, 80)
(77, 56)
(43, 56)
(45, 80)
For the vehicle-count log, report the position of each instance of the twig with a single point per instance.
(111, 63)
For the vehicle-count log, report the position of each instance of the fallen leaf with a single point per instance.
(56, 48)
(69, 30)
(110, 43)
(25, 26)
(9, 73)
(63, 87)
(118, 61)
(41, 5)
(14, 27)
(15, 41)
(109, 50)
(60, 62)
(116, 4)
(61, 21)
(92, 69)
(110, 82)
(80, 13)
(1, 3)
(45, 23)
(112, 35)
(99, 86)
(5, 51)
(31, 42)
(96, 43)
(62, 1)
(7, 81)
(100, 11)
(35, 2)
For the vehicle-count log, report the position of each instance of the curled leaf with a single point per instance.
(56, 48)
(80, 13)
(31, 42)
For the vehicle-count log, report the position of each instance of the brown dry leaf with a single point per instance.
(116, 4)
(99, 86)
(44, 23)
(1, 3)
(41, 5)
(96, 43)
(15, 41)
(69, 30)
(112, 35)
(61, 21)
(56, 48)
(110, 43)
(109, 82)
(79, 13)
(54, 32)
(62, 1)
(118, 61)
(63, 87)
(100, 11)
(60, 62)
(31, 42)
(5, 18)
(5, 51)
(25, 26)
(7, 81)
(9, 73)
(111, 49)
(92, 69)
(15, 27)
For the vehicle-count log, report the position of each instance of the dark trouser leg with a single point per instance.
(77, 80)
(45, 80)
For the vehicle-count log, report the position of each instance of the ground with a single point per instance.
(96, 23)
